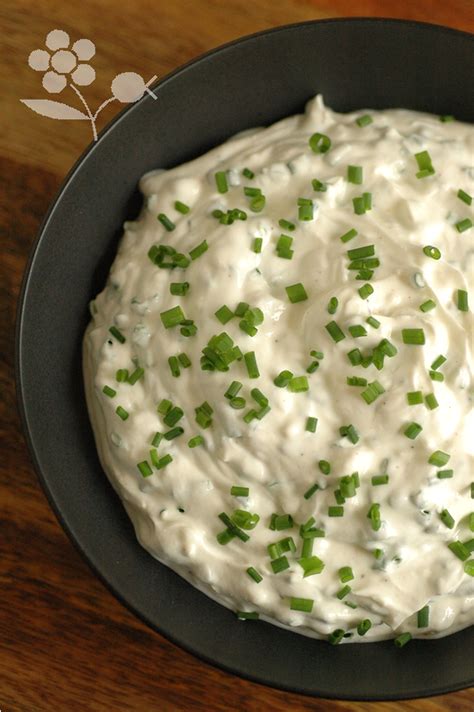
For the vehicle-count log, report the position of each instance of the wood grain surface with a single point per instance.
(65, 643)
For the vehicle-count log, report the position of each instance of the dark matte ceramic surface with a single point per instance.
(355, 64)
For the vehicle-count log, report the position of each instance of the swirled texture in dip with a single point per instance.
(348, 264)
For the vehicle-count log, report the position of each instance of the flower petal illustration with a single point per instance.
(85, 49)
(128, 87)
(53, 109)
(54, 83)
(83, 75)
(39, 60)
(63, 61)
(57, 39)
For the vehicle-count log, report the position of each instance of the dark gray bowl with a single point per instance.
(257, 80)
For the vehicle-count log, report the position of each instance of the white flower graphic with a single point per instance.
(66, 65)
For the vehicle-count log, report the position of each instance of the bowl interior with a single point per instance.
(255, 81)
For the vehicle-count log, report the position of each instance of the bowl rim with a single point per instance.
(18, 355)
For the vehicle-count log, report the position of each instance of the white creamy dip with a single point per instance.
(396, 550)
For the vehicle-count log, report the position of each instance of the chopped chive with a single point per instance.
(301, 604)
(356, 381)
(251, 364)
(232, 526)
(371, 321)
(173, 416)
(359, 205)
(241, 308)
(364, 626)
(145, 469)
(462, 300)
(283, 379)
(259, 397)
(252, 192)
(248, 173)
(319, 186)
(179, 289)
(309, 492)
(374, 515)
(121, 412)
(311, 424)
(247, 327)
(172, 317)
(313, 366)
(342, 593)
(233, 390)
(320, 143)
(325, 467)
(423, 617)
(332, 305)
(154, 457)
(465, 197)
(280, 564)
(237, 403)
(181, 207)
(425, 165)
(431, 402)
(254, 574)
(298, 384)
(365, 291)
(364, 120)
(164, 406)
(355, 357)
(349, 235)
(336, 636)
(108, 391)
(279, 522)
(459, 550)
(173, 433)
(156, 439)
(257, 204)
(428, 305)
(247, 615)
(357, 330)
(195, 441)
(286, 225)
(436, 376)
(469, 567)
(184, 360)
(238, 491)
(438, 362)
(221, 181)
(464, 225)
(412, 430)
(335, 511)
(447, 519)
(438, 458)
(257, 245)
(166, 222)
(360, 253)
(296, 293)
(121, 375)
(311, 565)
(444, 474)
(174, 366)
(414, 337)
(367, 198)
(137, 374)
(354, 174)
(431, 251)
(117, 334)
(349, 432)
(380, 480)
(446, 118)
(335, 332)
(244, 519)
(198, 250)
(402, 640)
(372, 392)
(414, 397)
(345, 574)
(305, 212)
(203, 415)
(225, 536)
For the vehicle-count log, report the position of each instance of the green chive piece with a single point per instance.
(204, 415)
(254, 574)
(431, 251)
(238, 491)
(257, 204)
(436, 376)
(117, 334)
(364, 120)
(349, 235)
(173, 416)
(225, 536)
(345, 574)
(198, 250)
(257, 245)
(355, 357)
(296, 293)
(232, 526)
(179, 289)
(320, 143)
(444, 474)
(364, 626)
(251, 364)
(241, 308)
(174, 366)
(181, 207)
(414, 337)
(380, 480)
(428, 305)
(335, 511)
(156, 439)
(374, 515)
(447, 519)
(412, 430)
(247, 615)
(145, 469)
(333, 305)
(164, 406)
(244, 519)
(108, 391)
(423, 617)
(356, 381)
(172, 317)
(298, 384)
(311, 424)
(334, 331)
(464, 225)
(459, 550)
(438, 362)
(311, 565)
(469, 567)
(462, 300)
(365, 291)
(359, 205)
(465, 197)
(371, 321)
(336, 636)
(166, 222)
(233, 390)
(237, 403)
(431, 402)
(121, 412)
(309, 492)
(221, 181)
(306, 212)
(301, 604)
(252, 192)
(446, 118)
(195, 441)
(350, 433)
(354, 174)
(283, 379)
(319, 186)
(154, 457)
(280, 564)
(425, 166)
(173, 433)
(248, 173)
(342, 593)
(438, 458)
(137, 374)
(286, 225)
(360, 253)
(184, 360)
(325, 467)
(357, 330)
(121, 375)
(402, 640)
(414, 397)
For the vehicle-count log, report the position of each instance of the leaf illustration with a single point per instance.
(53, 109)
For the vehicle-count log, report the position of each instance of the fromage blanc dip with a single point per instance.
(279, 373)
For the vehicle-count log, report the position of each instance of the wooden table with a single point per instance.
(65, 643)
